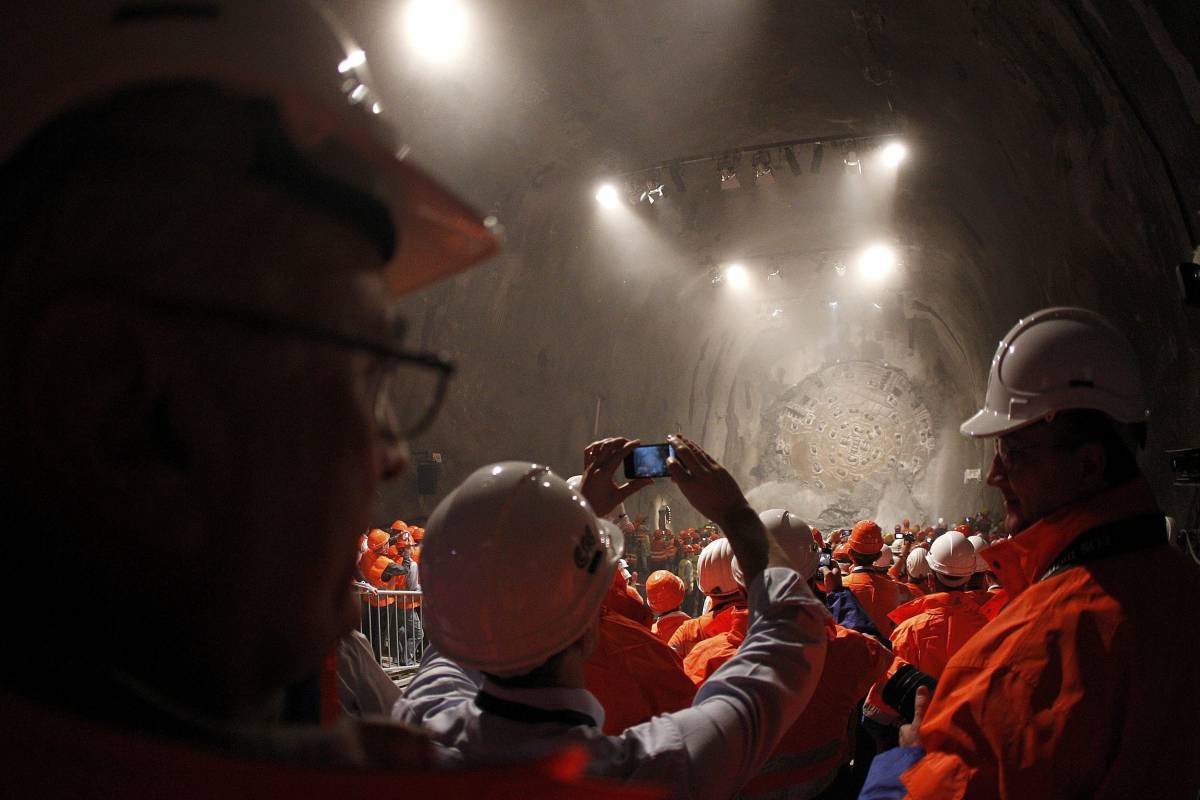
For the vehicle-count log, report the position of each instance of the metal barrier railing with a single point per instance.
(391, 621)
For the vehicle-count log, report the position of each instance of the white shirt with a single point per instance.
(707, 751)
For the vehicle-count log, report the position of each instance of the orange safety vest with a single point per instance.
(878, 594)
(36, 742)
(1084, 685)
(693, 631)
(666, 625)
(633, 674)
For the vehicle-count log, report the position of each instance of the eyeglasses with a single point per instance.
(1011, 458)
(408, 386)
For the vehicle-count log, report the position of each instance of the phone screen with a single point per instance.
(648, 461)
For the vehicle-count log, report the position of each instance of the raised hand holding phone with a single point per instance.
(600, 462)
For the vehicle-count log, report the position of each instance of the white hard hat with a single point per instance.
(896, 546)
(717, 571)
(796, 539)
(505, 522)
(885, 558)
(953, 558)
(62, 54)
(980, 544)
(1058, 359)
(917, 563)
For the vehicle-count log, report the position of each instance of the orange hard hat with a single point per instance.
(377, 540)
(965, 529)
(664, 590)
(399, 525)
(842, 552)
(866, 538)
(817, 537)
(906, 524)
(417, 533)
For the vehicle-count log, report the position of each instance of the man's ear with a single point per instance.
(99, 415)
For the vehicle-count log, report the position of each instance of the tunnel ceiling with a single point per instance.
(1055, 161)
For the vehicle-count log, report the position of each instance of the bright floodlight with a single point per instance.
(737, 277)
(876, 261)
(607, 196)
(436, 29)
(894, 153)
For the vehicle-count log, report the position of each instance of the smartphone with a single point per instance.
(648, 461)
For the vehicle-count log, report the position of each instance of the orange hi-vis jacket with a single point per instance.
(707, 655)
(666, 625)
(878, 594)
(372, 565)
(1084, 685)
(930, 629)
(693, 631)
(633, 674)
(809, 755)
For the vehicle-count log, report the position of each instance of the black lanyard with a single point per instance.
(520, 712)
(1113, 539)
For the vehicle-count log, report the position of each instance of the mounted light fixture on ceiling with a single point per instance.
(727, 167)
(608, 196)
(651, 190)
(437, 30)
(852, 161)
(877, 262)
(789, 155)
(893, 154)
(677, 178)
(762, 168)
(736, 276)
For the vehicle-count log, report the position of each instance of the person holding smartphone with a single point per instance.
(502, 680)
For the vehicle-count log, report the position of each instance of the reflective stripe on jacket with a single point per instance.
(1081, 686)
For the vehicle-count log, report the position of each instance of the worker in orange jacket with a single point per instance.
(1081, 686)
(929, 630)
(665, 593)
(811, 754)
(720, 579)
(878, 594)
(633, 674)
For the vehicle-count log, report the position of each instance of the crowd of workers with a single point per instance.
(205, 223)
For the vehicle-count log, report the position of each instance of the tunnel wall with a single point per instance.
(1035, 181)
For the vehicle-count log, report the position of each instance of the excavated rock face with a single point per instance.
(1055, 160)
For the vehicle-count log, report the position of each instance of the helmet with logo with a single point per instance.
(796, 539)
(664, 591)
(1058, 359)
(67, 54)
(511, 513)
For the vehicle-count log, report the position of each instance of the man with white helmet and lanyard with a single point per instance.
(204, 227)
(503, 681)
(1081, 686)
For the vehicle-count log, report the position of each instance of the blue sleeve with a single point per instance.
(883, 781)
